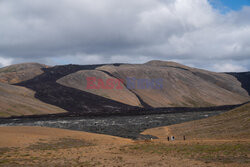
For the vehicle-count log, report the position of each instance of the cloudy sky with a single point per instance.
(210, 34)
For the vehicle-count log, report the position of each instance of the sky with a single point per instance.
(208, 34)
(227, 5)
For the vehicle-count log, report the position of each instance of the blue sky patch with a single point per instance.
(227, 5)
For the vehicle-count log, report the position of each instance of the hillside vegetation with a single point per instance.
(17, 101)
(20, 72)
(234, 124)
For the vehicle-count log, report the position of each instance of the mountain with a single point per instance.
(20, 72)
(124, 88)
(182, 85)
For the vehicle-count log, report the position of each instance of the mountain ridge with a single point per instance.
(64, 86)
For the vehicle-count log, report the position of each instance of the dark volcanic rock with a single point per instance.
(70, 99)
(123, 126)
(244, 78)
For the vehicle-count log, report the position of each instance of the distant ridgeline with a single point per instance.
(181, 88)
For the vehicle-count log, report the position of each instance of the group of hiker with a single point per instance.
(173, 138)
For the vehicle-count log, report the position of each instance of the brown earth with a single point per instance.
(16, 101)
(78, 80)
(37, 146)
(20, 72)
(234, 124)
(182, 85)
(206, 145)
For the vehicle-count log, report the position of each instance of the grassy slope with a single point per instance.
(56, 147)
(40, 146)
(20, 72)
(222, 140)
(181, 85)
(16, 101)
(234, 124)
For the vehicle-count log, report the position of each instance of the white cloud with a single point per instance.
(5, 62)
(76, 59)
(104, 31)
(129, 59)
(228, 68)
